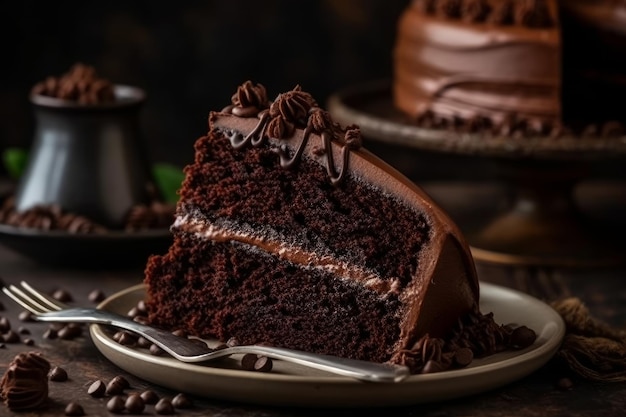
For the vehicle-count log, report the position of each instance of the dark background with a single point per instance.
(190, 56)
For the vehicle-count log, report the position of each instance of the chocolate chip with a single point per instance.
(133, 312)
(26, 316)
(11, 337)
(134, 404)
(116, 386)
(70, 331)
(141, 319)
(74, 409)
(164, 407)
(248, 360)
(232, 342)
(156, 351)
(119, 379)
(522, 337)
(263, 364)
(97, 389)
(5, 325)
(179, 333)
(127, 339)
(143, 342)
(50, 333)
(28, 341)
(141, 306)
(57, 374)
(463, 357)
(181, 401)
(23, 330)
(565, 384)
(149, 397)
(116, 404)
(96, 296)
(62, 296)
(432, 366)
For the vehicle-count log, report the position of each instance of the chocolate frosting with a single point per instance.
(480, 71)
(499, 66)
(24, 384)
(444, 260)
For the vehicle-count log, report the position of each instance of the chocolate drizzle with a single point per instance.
(24, 385)
(280, 119)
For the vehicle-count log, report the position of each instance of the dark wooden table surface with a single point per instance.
(602, 289)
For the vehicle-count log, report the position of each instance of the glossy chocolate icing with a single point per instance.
(459, 69)
(443, 288)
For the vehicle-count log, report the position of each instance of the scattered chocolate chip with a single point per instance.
(3, 346)
(133, 312)
(74, 409)
(119, 379)
(522, 337)
(141, 319)
(248, 360)
(463, 357)
(155, 350)
(62, 296)
(179, 333)
(50, 333)
(5, 325)
(149, 397)
(181, 401)
(143, 342)
(232, 342)
(116, 404)
(96, 296)
(11, 337)
(432, 366)
(164, 407)
(23, 330)
(127, 339)
(116, 386)
(58, 374)
(263, 364)
(565, 384)
(70, 331)
(134, 404)
(141, 306)
(97, 389)
(26, 316)
(28, 341)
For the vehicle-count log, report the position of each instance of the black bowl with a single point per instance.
(112, 249)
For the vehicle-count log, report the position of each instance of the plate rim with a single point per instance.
(542, 354)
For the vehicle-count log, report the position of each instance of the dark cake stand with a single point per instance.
(542, 223)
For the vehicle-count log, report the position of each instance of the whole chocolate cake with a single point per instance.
(289, 233)
(538, 67)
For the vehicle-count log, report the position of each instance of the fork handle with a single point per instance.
(354, 368)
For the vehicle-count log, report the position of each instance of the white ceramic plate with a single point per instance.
(294, 385)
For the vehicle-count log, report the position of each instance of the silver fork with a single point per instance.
(46, 308)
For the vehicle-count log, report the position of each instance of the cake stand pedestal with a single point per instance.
(541, 224)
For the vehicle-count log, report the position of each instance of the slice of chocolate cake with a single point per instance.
(289, 233)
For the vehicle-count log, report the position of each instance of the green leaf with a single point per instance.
(15, 160)
(168, 179)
